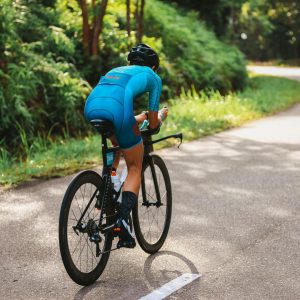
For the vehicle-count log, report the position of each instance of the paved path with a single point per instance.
(292, 73)
(236, 221)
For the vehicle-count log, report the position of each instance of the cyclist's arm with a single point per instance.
(153, 119)
(154, 97)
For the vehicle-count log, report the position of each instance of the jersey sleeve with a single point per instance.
(154, 93)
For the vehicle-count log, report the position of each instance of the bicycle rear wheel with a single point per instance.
(83, 260)
(151, 217)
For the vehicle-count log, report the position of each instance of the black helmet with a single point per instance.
(143, 55)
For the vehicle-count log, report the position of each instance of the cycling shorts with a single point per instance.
(112, 103)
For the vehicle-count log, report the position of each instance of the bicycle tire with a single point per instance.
(142, 237)
(82, 278)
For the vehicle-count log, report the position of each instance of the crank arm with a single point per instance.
(108, 251)
(107, 228)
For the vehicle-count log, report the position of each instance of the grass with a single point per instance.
(198, 115)
(56, 159)
(195, 114)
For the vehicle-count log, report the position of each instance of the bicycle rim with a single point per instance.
(151, 222)
(79, 254)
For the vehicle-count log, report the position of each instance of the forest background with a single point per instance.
(53, 52)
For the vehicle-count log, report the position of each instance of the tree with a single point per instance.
(91, 33)
(139, 15)
(128, 19)
(263, 29)
(285, 37)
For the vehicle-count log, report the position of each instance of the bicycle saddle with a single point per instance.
(103, 127)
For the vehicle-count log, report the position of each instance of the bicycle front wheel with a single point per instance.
(152, 214)
(83, 259)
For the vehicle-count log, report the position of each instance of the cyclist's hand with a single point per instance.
(142, 117)
(163, 113)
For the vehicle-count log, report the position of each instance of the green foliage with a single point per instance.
(272, 28)
(190, 53)
(50, 159)
(39, 86)
(262, 29)
(42, 93)
(193, 55)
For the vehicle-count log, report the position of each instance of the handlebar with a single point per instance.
(147, 133)
(178, 135)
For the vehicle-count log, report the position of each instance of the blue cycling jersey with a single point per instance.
(112, 99)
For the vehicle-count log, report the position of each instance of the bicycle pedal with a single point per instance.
(126, 244)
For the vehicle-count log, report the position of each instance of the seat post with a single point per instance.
(104, 152)
(108, 155)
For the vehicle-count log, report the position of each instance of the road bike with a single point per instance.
(90, 209)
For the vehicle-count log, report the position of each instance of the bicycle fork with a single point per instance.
(146, 202)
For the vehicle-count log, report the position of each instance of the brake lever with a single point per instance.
(179, 136)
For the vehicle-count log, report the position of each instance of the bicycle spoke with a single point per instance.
(83, 204)
(77, 245)
(79, 257)
(78, 204)
(74, 215)
(89, 246)
(152, 197)
(162, 197)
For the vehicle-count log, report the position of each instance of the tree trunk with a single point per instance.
(94, 11)
(128, 17)
(140, 20)
(85, 27)
(98, 26)
(137, 4)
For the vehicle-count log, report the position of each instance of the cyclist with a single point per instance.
(112, 99)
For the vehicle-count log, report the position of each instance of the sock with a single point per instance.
(129, 199)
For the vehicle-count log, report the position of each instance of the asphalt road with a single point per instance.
(235, 221)
(288, 72)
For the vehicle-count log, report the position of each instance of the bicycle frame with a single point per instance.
(108, 154)
(108, 158)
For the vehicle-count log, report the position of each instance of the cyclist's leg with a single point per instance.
(134, 161)
(130, 141)
(133, 158)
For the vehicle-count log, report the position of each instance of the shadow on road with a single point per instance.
(155, 278)
(158, 270)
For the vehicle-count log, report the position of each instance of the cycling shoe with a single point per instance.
(125, 235)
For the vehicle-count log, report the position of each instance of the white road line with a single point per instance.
(171, 287)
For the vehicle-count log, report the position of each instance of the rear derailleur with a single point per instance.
(92, 230)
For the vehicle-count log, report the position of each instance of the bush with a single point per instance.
(193, 55)
(40, 90)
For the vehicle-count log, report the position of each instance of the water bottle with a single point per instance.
(144, 125)
(118, 181)
(115, 179)
(123, 175)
